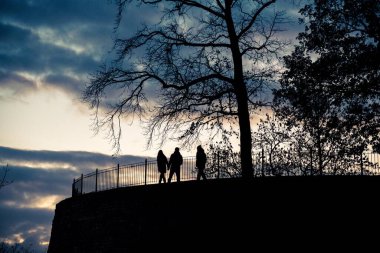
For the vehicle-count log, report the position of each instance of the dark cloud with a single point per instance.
(11, 34)
(33, 225)
(38, 181)
(19, 202)
(57, 13)
(25, 202)
(65, 82)
(66, 40)
(23, 219)
(61, 38)
(16, 48)
(77, 159)
(15, 82)
(24, 51)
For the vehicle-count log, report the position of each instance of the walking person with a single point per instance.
(175, 163)
(162, 163)
(200, 163)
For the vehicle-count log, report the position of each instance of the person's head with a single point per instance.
(160, 152)
(176, 150)
(199, 148)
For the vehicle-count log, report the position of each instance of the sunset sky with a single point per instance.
(48, 50)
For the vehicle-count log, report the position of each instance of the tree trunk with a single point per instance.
(245, 137)
(242, 98)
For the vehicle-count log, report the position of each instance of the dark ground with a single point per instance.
(304, 213)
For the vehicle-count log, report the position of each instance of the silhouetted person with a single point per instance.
(175, 163)
(201, 162)
(162, 162)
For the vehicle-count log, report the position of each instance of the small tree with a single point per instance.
(271, 138)
(223, 161)
(202, 67)
(3, 177)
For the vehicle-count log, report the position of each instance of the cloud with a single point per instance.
(41, 179)
(57, 13)
(28, 204)
(49, 174)
(51, 39)
(65, 82)
(29, 227)
(15, 84)
(58, 44)
(74, 160)
(29, 51)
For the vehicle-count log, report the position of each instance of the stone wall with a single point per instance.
(219, 215)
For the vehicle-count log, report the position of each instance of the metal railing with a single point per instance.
(128, 175)
(308, 164)
(218, 166)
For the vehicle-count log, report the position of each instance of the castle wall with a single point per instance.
(210, 214)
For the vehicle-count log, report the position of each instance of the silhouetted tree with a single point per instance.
(290, 150)
(271, 139)
(201, 67)
(223, 161)
(346, 35)
(303, 101)
(3, 177)
(331, 86)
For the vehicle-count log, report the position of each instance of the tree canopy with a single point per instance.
(331, 85)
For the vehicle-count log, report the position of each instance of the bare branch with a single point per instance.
(254, 17)
(200, 6)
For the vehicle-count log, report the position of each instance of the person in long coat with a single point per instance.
(201, 160)
(162, 163)
(175, 163)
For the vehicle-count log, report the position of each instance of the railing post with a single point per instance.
(262, 162)
(311, 161)
(218, 164)
(118, 175)
(361, 164)
(81, 184)
(146, 168)
(73, 188)
(96, 180)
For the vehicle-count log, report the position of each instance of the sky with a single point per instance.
(48, 50)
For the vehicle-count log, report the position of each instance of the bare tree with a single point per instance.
(272, 137)
(203, 66)
(3, 177)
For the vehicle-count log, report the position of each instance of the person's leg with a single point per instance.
(199, 174)
(203, 175)
(178, 175)
(171, 172)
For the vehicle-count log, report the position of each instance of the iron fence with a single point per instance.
(222, 166)
(282, 163)
(128, 175)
